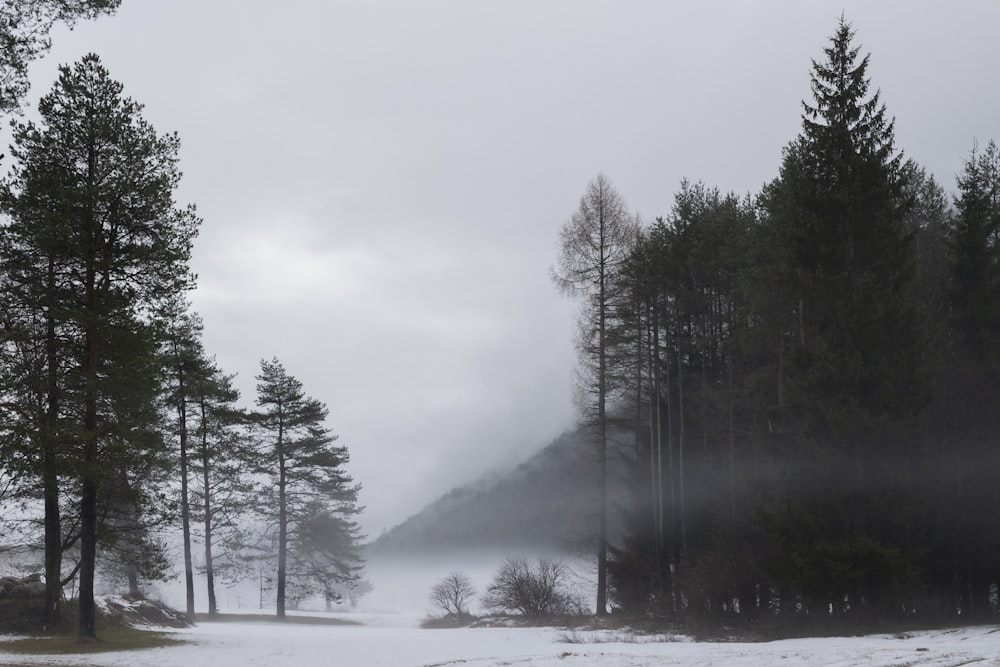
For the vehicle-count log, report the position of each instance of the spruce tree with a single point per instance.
(856, 364)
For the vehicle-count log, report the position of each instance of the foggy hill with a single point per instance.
(547, 502)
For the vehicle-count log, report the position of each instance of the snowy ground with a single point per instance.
(395, 640)
(388, 637)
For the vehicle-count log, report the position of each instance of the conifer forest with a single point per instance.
(116, 425)
(802, 384)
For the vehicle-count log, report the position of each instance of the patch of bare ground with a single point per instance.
(293, 619)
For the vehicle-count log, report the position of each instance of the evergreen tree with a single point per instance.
(24, 36)
(975, 246)
(92, 210)
(856, 366)
(184, 361)
(308, 498)
(222, 457)
(969, 468)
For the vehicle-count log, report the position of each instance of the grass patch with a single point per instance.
(262, 618)
(114, 638)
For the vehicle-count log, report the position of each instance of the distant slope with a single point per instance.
(548, 502)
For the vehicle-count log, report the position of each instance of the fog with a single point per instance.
(401, 585)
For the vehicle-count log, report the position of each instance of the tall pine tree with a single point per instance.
(309, 498)
(94, 221)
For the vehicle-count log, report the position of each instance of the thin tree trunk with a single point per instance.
(602, 379)
(671, 467)
(88, 500)
(732, 447)
(656, 444)
(88, 469)
(185, 503)
(207, 495)
(50, 471)
(282, 525)
(680, 455)
(781, 369)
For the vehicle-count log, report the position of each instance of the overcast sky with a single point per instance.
(382, 183)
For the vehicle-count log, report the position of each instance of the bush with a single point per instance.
(453, 594)
(536, 593)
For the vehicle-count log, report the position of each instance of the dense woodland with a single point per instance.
(117, 428)
(803, 383)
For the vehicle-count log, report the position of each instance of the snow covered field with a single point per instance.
(387, 634)
(388, 640)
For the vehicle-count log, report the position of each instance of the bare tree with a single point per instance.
(453, 594)
(536, 593)
(594, 245)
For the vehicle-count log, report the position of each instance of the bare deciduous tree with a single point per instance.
(536, 593)
(594, 244)
(453, 594)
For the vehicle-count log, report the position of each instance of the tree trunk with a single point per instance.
(185, 505)
(602, 456)
(207, 494)
(133, 584)
(282, 526)
(88, 544)
(732, 446)
(88, 476)
(682, 519)
(50, 471)
(656, 445)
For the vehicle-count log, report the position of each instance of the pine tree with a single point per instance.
(24, 36)
(309, 498)
(222, 457)
(93, 215)
(183, 358)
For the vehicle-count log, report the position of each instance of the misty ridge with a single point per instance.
(547, 503)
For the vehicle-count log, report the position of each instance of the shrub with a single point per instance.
(537, 593)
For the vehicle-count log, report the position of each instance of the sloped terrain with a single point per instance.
(548, 502)
(122, 610)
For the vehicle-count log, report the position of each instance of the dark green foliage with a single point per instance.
(24, 36)
(810, 378)
(308, 500)
(93, 247)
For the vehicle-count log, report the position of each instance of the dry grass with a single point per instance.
(270, 618)
(111, 638)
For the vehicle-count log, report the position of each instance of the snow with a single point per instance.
(397, 641)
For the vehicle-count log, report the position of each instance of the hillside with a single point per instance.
(547, 502)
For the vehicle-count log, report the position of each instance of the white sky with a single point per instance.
(382, 182)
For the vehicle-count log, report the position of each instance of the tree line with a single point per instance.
(801, 385)
(117, 425)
